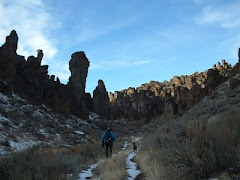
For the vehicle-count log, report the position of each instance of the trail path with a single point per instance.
(87, 174)
(131, 166)
(132, 170)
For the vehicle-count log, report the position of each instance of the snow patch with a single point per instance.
(132, 170)
(126, 144)
(3, 119)
(23, 145)
(86, 174)
(17, 97)
(3, 98)
(58, 136)
(38, 113)
(68, 126)
(43, 132)
(136, 138)
(79, 132)
(93, 116)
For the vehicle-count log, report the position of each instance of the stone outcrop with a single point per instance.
(30, 79)
(9, 56)
(168, 98)
(78, 66)
(101, 100)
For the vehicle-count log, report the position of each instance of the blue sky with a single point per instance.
(128, 42)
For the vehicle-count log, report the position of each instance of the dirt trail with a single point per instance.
(87, 174)
(131, 167)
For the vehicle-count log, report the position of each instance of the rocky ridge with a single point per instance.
(168, 98)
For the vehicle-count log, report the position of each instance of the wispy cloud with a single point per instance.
(32, 22)
(139, 63)
(89, 31)
(108, 65)
(226, 15)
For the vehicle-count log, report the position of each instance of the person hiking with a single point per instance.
(107, 140)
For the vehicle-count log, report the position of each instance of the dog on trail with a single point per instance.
(135, 147)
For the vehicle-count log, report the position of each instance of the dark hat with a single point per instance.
(108, 129)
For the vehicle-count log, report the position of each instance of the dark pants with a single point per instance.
(109, 146)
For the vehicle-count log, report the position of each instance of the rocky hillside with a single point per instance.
(203, 143)
(24, 125)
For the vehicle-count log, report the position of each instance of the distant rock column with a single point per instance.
(239, 59)
(78, 66)
(39, 56)
(101, 100)
(9, 48)
(238, 55)
(8, 56)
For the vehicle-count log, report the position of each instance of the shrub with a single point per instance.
(196, 150)
(207, 148)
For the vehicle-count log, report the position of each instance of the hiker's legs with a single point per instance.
(110, 147)
(107, 148)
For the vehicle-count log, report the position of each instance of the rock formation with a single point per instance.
(30, 79)
(168, 98)
(78, 66)
(101, 100)
(9, 56)
(238, 54)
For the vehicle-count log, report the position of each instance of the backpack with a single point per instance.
(110, 135)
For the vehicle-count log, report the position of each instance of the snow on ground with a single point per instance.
(3, 98)
(22, 145)
(17, 97)
(43, 132)
(3, 119)
(79, 132)
(132, 170)
(136, 138)
(126, 144)
(38, 113)
(93, 116)
(86, 174)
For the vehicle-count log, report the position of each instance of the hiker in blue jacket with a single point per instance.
(107, 139)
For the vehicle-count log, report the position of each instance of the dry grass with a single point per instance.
(113, 168)
(49, 163)
(150, 166)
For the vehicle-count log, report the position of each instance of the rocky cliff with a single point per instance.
(30, 79)
(168, 98)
